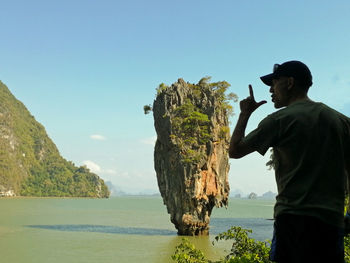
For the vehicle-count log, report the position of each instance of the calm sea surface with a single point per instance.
(119, 229)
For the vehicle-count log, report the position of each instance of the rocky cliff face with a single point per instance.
(191, 152)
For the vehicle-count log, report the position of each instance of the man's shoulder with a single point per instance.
(306, 107)
(305, 111)
(286, 111)
(333, 112)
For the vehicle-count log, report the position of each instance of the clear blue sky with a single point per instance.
(86, 68)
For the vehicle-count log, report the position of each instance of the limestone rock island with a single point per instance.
(191, 151)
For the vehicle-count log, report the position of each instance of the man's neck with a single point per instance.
(299, 98)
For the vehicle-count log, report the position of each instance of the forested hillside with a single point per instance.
(30, 163)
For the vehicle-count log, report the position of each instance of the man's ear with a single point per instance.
(290, 82)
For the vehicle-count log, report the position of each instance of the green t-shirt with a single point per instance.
(310, 143)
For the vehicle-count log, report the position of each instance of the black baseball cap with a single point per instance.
(295, 69)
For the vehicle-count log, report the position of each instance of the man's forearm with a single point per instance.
(248, 106)
(238, 135)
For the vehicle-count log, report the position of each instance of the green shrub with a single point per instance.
(244, 249)
(147, 109)
(186, 252)
(223, 132)
(347, 249)
(162, 87)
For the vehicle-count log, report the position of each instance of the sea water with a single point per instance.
(118, 229)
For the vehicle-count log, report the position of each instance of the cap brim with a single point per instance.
(267, 79)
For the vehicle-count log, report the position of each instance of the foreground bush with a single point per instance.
(244, 249)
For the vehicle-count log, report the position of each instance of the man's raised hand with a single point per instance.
(249, 105)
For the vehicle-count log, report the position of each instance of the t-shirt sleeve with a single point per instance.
(264, 136)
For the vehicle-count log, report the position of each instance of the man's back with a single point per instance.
(309, 148)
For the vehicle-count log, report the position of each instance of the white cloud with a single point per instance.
(97, 169)
(94, 167)
(98, 137)
(150, 141)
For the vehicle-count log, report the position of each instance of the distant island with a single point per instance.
(116, 191)
(268, 195)
(30, 163)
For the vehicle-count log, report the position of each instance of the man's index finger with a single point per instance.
(251, 91)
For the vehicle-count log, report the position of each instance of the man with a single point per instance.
(311, 145)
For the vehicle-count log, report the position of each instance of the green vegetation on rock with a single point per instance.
(30, 163)
(190, 129)
(190, 124)
(161, 88)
